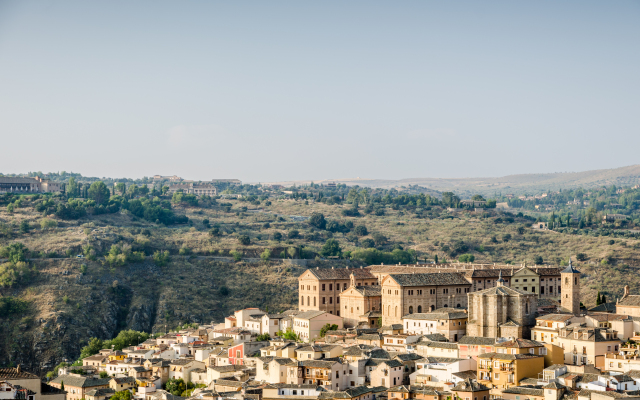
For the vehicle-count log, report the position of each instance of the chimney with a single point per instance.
(18, 369)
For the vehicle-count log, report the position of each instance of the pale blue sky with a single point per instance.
(275, 90)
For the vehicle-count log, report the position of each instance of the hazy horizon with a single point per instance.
(285, 91)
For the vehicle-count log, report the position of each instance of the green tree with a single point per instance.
(244, 240)
(121, 187)
(24, 226)
(161, 258)
(289, 334)
(361, 230)
(331, 248)
(99, 192)
(604, 299)
(265, 255)
(122, 395)
(326, 328)
(104, 375)
(598, 299)
(175, 386)
(72, 187)
(538, 260)
(15, 252)
(62, 385)
(317, 220)
(263, 338)
(47, 223)
(10, 208)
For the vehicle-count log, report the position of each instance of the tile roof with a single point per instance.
(630, 300)
(501, 291)
(524, 390)
(314, 363)
(555, 317)
(80, 381)
(604, 307)
(16, 373)
(438, 345)
(468, 385)
(436, 315)
(432, 279)
(477, 341)
(519, 343)
(310, 314)
(341, 273)
(373, 290)
(501, 356)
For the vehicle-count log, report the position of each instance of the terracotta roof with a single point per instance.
(440, 314)
(80, 381)
(468, 385)
(556, 317)
(477, 341)
(501, 356)
(520, 343)
(310, 314)
(373, 290)
(16, 373)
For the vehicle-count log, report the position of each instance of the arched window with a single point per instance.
(576, 280)
(566, 281)
(419, 309)
(314, 301)
(395, 312)
(410, 309)
(389, 310)
(352, 310)
(308, 301)
(526, 308)
(458, 305)
(432, 308)
(301, 300)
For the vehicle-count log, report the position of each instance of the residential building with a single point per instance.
(429, 348)
(399, 342)
(330, 374)
(587, 345)
(438, 371)
(181, 369)
(473, 346)
(497, 370)
(308, 324)
(628, 304)
(387, 373)
(404, 294)
(28, 185)
(501, 312)
(318, 284)
(470, 390)
(548, 326)
(272, 369)
(27, 386)
(281, 390)
(450, 322)
(78, 386)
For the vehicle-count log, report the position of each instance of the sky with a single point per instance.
(267, 91)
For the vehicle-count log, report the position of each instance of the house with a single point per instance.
(324, 283)
(547, 326)
(272, 369)
(238, 353)
(78, 386)
(472, 346)
(17, 379)
(308, 324)
(318, 352)
(450, 322)
(227, 371)
(371, 339)
(436, 371)
(628, 304)
(355, 393)
(470, 390)
(140, 354)
(330, 374)
(286, 390)
(99, 394)
(122, 383)
(9, 391)
(429, 348)
(159, 368)
(587, 345)
(280, 348)
(507, 370)
(181, 369)
(387, 373)
(420, 392)
(238, 334)
(94, 361)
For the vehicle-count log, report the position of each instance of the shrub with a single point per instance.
(47, 223)
(361, 230)
(215, 231)
(12, 305)
(237, 256)
(367, 243)
(161, 258)
(263, 338)
(265, 255)
(184, 251)
(244, 240)
(223, 291)
(506, 237)
(277, 236)
(379, 239)
(293, 234)
(466, 258)
(538, 260)
(581, 257)
(331, 248)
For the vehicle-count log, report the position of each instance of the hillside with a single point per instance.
(69, 300)
(516, 184)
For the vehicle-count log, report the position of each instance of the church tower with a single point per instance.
(570, 293)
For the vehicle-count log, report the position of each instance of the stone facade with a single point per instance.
(359, 303)
(404, 294)
(501, 312)
(320, 288)
(570, 299)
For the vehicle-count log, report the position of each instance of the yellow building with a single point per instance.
(501, 371)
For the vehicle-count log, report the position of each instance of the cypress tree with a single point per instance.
(604, 299)
(598, 300)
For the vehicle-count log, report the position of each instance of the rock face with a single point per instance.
(68, 308)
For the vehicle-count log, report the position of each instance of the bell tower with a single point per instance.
(570, 294)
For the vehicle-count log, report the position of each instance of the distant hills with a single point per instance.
(516, 184)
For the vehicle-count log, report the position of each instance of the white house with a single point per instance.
(441, 369)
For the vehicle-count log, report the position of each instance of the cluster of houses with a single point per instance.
(385, 332)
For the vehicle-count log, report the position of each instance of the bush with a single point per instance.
(263, 338)
(223, 291)
(361, 230)
(293, 234)
(466, 258)
(379, 239)
(47, 223)
(506, 237)
(215, 231)
(184, 251)
(24, 226)
(612, 242)
(265, 255)
(581, 257)
(244, 240)
(538, 260)
(374, 256)
(331, 248)
(277, 236)
(12, 305)
(237, 256)
(161, 258)
(367, 243)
